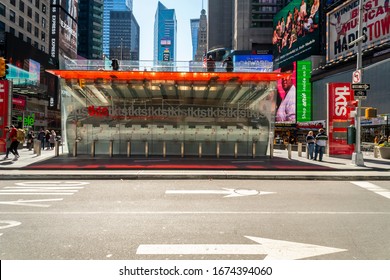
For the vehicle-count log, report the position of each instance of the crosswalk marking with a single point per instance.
(374, 188)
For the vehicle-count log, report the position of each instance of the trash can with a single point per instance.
(351, 135)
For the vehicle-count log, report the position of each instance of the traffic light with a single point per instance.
(3, 68)
(370, 113)
(115, 64)
(82, 83)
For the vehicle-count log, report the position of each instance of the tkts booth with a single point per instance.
(141, 113)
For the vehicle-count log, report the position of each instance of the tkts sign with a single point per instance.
(340, 96)
(342, 27)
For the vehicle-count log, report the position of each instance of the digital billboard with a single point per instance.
(286, 97)
(253, 62)
(342, 27)
(296, 32)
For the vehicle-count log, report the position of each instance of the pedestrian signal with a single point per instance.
(3, 68)
(81, 83)
(115, 64)
(370, 113)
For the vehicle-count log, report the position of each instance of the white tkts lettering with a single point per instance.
(341, 100)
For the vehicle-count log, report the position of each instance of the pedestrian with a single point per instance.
(52, 139)
(210, 64)
(30, 139)
(310, 141)
(320, 139)
(41, 137)
(229, 64)
(8, 143)
(14, 142)
(47, 139)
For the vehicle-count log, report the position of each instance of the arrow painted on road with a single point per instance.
(226, 192)
(273, 249)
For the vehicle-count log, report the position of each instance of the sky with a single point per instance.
(145, 10)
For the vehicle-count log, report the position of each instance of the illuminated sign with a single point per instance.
(303, 91)
(296, 32)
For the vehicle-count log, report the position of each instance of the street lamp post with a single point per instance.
(357, 156)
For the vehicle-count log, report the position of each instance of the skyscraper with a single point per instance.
(112, 5)
(202, 37)
(124, 36)
(90, 29)
(194, 36)
(165, 34)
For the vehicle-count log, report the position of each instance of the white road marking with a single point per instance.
(9, 224)
(22, 202)
(227, 192)
(274, 249)
(374, 188)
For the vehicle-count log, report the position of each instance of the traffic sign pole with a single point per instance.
(357, 156)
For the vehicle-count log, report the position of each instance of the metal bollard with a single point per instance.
(57, 148)
(164, 149)
(182, 149)
(289, 151)
(75, 149)
(218, 149)
(200, 150)
(93, 145)
(146, 149)
(235, 149)
(128, 148)
(300, 149)
(253, 149)
(271, 150)
(111, 148)
(39, 148)
(376, 152)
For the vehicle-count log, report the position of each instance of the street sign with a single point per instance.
(359, 93)
(356, 76)
(360, 86)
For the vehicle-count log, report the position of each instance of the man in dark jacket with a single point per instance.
(321, 139)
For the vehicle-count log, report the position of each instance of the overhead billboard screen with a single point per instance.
(343, 23)
(296, 33)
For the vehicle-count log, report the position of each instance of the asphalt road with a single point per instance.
(194, 219)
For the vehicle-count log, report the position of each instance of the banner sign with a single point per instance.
(342, 27)
(339, 95)
(303, 91)
(4, 111)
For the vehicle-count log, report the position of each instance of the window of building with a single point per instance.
(36, 45)
(36, 17)
(21, 6)
(37, 3)
(13, 2)
(43, 48)
(29, 27)
(21, 36)
(21, 22)
(12, 31)
(44, 8)
(36, 32)
(2, 10)
(43, 22)
(11, 15)
(2, 26)
(29, 40)
(43, 36)
(29, 12)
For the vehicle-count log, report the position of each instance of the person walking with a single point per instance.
(42, 138)
(210, 64)
(310, 141)
(7, 143)
(14, 142)
(47, 138)
(30, 140)
(320, 140)
(52, 139)
(229, 64)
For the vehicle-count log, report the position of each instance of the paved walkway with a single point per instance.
(47, 166)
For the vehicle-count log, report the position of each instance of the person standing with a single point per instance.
(52, 139)
(30, 140)
(320, 140)
(210, 64)
(229, 64)
(310, 141)
(14, 142)
(42, 138)
(7, 143)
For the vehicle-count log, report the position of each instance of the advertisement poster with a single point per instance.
(253, 63)
(296, 32)
(342, 27)
(304, 91)
(286, 98)
(339, 96)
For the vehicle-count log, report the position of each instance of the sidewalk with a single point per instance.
(47, 166)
